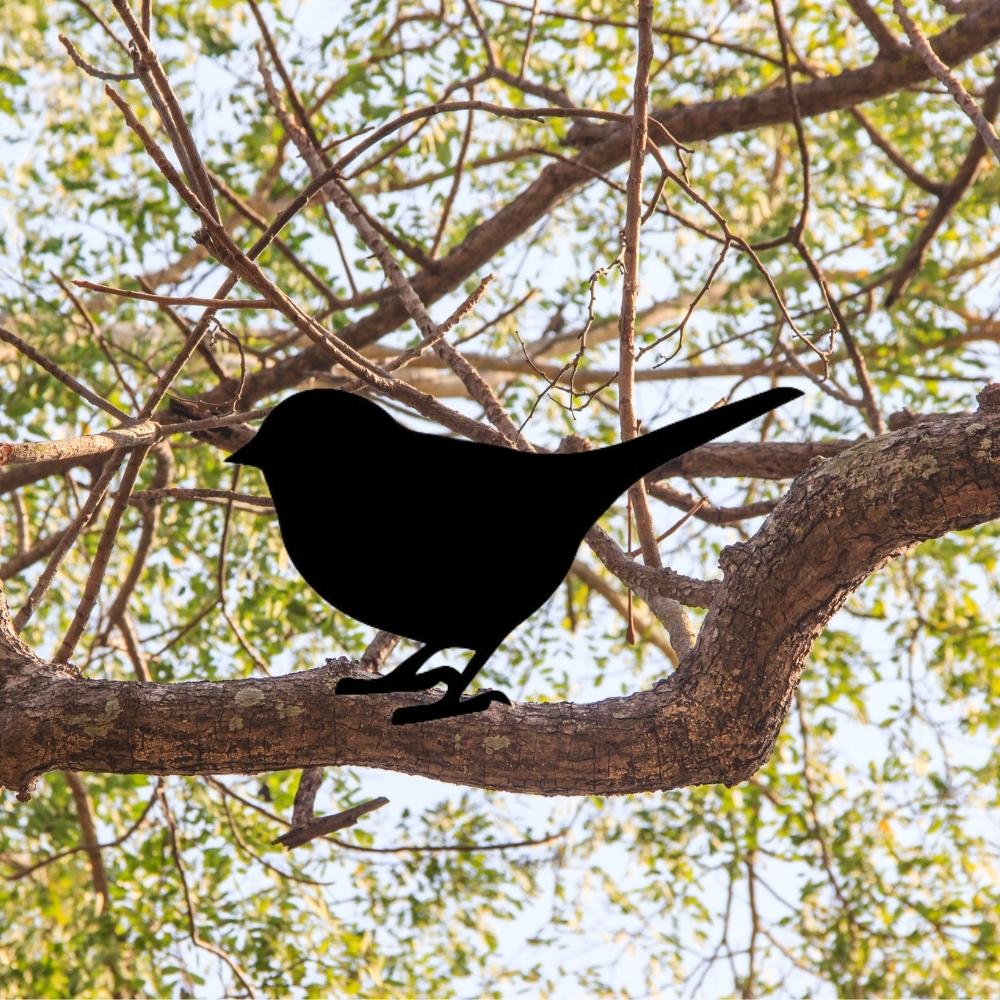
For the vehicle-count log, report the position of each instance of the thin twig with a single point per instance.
(884, 38)
(299, 835)
(89, 510)
(679, 628)
(477, 19)
(108, 30)
(85, 817)
(23, 872)
(196, 939)
(150, 513)
(89, 68)
(649, 628)
(29, 556)
(455, 184)
(154, 79)
(244, 208)
(241, 266)
(526, 53)
(63, 376)
(220, 580)
(922, 47)
(185, 329)
(964, 177)
(173, 300)
(300, 112)
(240, 500)
(400, 848)
(479, 389)
(666, 32)
(99, 566)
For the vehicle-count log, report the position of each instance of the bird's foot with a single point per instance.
(389, 683)
(447, 707)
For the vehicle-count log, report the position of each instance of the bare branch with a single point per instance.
(63, 376)
(669, 611)
(885, 39)
(85, 817)
(299, 835)
(98, 567)
(925, 50)
(173, 300)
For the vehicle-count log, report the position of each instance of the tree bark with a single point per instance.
(715, 719)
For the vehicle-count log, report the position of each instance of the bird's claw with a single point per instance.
(447, 707)
(426, 680)
(362, 685)
(389, 683)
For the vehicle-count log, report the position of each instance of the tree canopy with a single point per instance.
(753, 745)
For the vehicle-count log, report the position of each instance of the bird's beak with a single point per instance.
(244, 455)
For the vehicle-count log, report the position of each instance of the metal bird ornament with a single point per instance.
(490, 532)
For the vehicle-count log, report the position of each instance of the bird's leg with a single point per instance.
(403, 678)
(452, 703)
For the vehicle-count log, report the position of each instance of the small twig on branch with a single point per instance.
(23, 872)
(478, 387)
(108, 30)
(241, 266)
(147, 539)
(526, 53)
(677, 624)
(241, 501)
(85, 817)
(29, 556)
(63, 376)
(477, 19)
(220, 579)
(470, 848)
(648, 627)
(299, 835)
(173, 300)
(455, 184)
(192, 914)
(884, 38)
(922, 47)
(948, 198)
(185, 328)
(155, 81)
(568, 15)
(100, 564)
(300, 112)
(89, 68)
(83, 518)
(648, 583)
(704, 510)
(247, 211)
(305, 796)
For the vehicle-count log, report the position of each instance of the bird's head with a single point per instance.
(311, 423)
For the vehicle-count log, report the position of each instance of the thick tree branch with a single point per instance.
(714, 720)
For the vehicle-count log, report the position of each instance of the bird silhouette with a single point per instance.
(449, 542)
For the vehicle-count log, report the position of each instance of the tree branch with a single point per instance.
(714, 720)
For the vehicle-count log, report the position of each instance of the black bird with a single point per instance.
(448, 542)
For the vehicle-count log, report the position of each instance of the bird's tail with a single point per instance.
(628, 462)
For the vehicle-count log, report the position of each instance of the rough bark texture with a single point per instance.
(714, 720)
